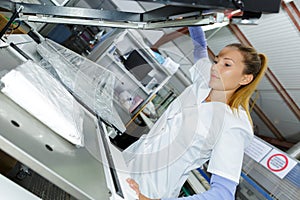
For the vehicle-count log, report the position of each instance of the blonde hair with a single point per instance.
(255, 64)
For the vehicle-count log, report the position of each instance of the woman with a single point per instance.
(209, 121)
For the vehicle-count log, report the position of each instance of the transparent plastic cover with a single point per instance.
(88, 81)
(36, 91)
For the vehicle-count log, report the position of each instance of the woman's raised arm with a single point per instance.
(199, 41)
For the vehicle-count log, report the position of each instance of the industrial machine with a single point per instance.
(103, 99)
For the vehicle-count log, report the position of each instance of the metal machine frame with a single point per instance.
(173, 13)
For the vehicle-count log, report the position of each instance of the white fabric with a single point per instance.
(225, 159)
(200, 72)
(36, 91)
(187, 135)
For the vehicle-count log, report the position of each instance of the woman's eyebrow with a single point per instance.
(230, 59)
(226, 58)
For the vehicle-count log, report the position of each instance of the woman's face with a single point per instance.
(227, 71)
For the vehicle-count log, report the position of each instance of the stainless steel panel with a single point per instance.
(73, 169)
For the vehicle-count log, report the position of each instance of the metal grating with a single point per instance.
(282, 189)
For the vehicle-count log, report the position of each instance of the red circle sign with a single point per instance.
(275, 161)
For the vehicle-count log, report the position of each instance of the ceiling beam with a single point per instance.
(169, 37)
(293, 12)
(267, 121)
(295, 8)
(211, 54)
(277, 142)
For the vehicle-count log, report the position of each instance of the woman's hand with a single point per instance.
(135, 187)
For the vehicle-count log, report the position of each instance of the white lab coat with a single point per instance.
(188, 134)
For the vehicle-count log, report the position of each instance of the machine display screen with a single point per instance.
(137, 65)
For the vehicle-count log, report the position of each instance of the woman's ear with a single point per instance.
(246, 79)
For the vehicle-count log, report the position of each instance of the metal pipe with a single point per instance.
(277, 142)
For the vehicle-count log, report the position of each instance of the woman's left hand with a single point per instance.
(135, 187)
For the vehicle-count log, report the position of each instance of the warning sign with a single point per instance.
(278, 163)
(257, 149)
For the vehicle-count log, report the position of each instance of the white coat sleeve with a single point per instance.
(220, 188)
(227, 155)
(200, 71)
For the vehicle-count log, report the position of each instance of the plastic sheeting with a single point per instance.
(91, 83)
(36, 91)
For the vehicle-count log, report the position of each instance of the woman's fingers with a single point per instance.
(133, 185)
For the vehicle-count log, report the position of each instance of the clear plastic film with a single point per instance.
(36, 91)
(90, 82)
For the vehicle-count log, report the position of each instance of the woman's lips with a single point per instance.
(214, 76)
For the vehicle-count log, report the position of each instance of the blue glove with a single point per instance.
(199, 41)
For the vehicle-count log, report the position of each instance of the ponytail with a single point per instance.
(255, 64)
